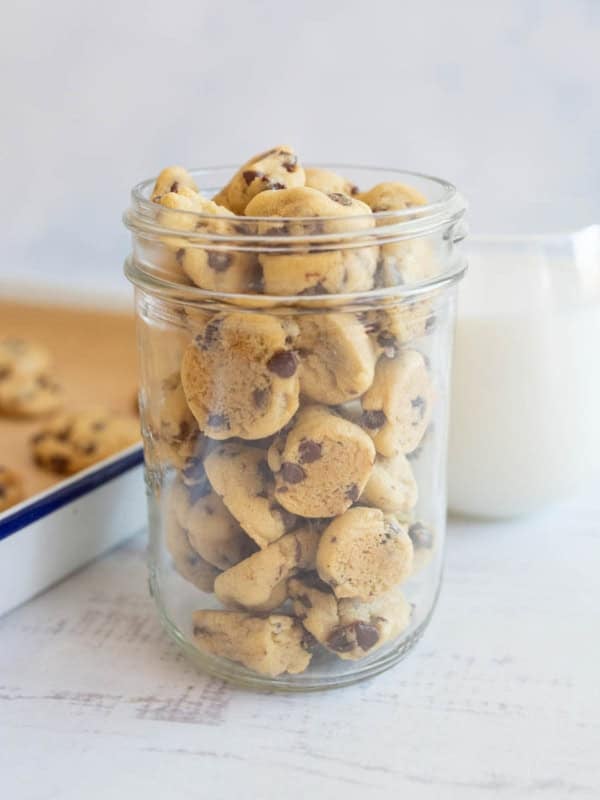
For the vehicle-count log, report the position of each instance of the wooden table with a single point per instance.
(500, 699)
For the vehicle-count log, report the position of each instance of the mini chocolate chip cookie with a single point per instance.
(241, 476)
(397, 408)
(321, 464)
(337, 359)
(364, 553)
(350, 628)
(268, 645)
(240, 375)
(393, 327)
(327, 181)
(29, 396)
(188, 563)
(74, 441)
(172, 180)
(251, 583)
(11, 488)
(275, 169)
(391, 486)
(176, 431)
(306, 212)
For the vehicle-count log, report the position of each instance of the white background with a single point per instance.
(501, 98)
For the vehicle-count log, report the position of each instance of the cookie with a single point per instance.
(337, 359)
(251, 583)
(240, 376)
(327, 181)
(391, 486)
(175, 429)
(188, 563)
(29, 396)
(19, 357)
(74, 441)
(397, 408)
(364, 553)
(275, 169)
(11, 488)
(241, 476)
(307, 212)
(215, 534)
(172, 180)
(268, 645)
(393, 327)
(321, 464)
(349, 628)
(405, 261)
(423, 539)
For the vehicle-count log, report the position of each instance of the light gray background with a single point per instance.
(501, 98)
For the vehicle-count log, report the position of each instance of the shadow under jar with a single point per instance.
(294, 402)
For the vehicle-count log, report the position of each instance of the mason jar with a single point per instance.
(294, 400)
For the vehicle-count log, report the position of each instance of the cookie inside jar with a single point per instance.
(299, 447)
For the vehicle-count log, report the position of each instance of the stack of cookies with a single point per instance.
(288, 433)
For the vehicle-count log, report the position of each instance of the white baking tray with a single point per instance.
(53, 533)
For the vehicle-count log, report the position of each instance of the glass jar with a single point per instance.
(294, 403)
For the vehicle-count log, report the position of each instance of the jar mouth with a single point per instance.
(390, 225)
(443, 213)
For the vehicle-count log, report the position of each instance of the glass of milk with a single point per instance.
(525, 411)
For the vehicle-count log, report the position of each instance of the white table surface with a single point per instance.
(500, 699)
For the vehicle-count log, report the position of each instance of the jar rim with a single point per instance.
(446, 211)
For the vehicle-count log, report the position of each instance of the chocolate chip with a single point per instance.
(282, 489)
(283, 363)
(388, 343)
(340, 198)
(309, 451)
(99, 425)
(174, 186)
(179, 255)
(352, 493)
(218, 421)
(273, 185)
(291, 163)
(4, 373)
(259, 397)
(184, 431)
(373, 419)
(250, 174)
(39, 437)
(311, 228)
(422, 537)
(420, 404)
(63, 434)
(193, 470)
(366, 635)
(219, 261)
(59, 464)
(430, 323)
(292, 473)
(280, 230)
(371, 327)
(88, 449)
(318, 288)
(354, 189)
(211, 334)
(339, 640)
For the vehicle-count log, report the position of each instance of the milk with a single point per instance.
(525, 401)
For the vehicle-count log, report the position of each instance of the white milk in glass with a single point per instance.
(525, 413)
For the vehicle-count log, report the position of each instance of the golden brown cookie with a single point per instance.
(250, 583)
(241, 476)
(74, 441)
(267, 645)
(364, 553)
(397, 408)
(391, 486)
(321, 463)
(325, 180)
(29, 396)
(240, 376)
(274, 169)
(350, 628)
